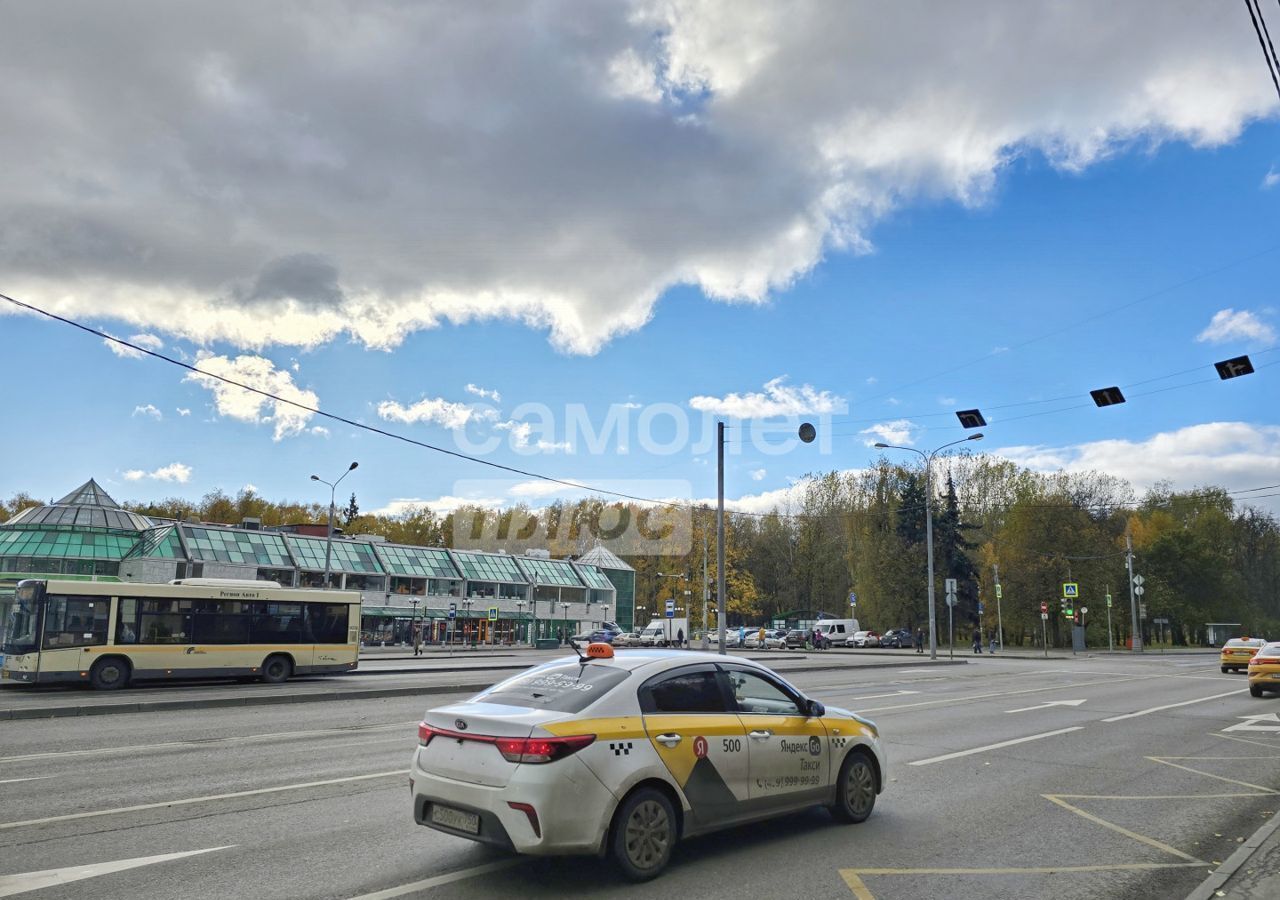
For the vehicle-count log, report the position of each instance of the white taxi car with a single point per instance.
(623, 754)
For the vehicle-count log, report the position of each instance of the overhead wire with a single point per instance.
(1260, 28)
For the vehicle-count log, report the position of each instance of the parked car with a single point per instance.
(627, 639)
(775, 639)
(796, 638)
(799, 638)
(598, 636)
(865, 639)
(897, 637)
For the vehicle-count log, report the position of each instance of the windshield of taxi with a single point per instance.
(563, 687)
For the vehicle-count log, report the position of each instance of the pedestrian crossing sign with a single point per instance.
(493, 613)
(1070, 590)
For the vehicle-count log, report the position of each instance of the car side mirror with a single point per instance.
(816, 709)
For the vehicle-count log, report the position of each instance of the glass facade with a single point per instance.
(551, 571)
(237, 547)
(489, 567)
(159, 543)
(61, 543)
(356, 557)
(595, 578)
(421, 561)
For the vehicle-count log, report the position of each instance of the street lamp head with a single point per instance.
(315, 477)
(880, 446)
(352, 466)
(974, 437)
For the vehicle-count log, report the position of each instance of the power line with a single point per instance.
(1260, 28)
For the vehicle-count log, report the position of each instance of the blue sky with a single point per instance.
(1035, 247)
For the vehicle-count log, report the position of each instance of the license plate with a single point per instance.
(4, 673)
(455, 818)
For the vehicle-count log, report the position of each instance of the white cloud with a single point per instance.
(173, 472)
(1271, 179)
(872, 379)
(148, 410)
(758, 474)
(318, 431)
(724, 144)
(250, 488)
(947, 401)
(1229, 325)
(899, 431)
(483, 393)
(433, 410)
(246, 406)
(149, 341)
(441, 506)
(777, 399)
(183, 411)
(1234, 455)
(527, 490)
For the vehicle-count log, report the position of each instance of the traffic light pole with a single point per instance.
(1136, 635)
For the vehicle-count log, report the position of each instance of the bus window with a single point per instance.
(327, 623)
(75, 621)
(278, 623)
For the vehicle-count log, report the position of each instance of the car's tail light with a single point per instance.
(541, 750)
(426, 733)
(1264, 661)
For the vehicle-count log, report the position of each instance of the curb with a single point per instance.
(1235, 862)
(65, 712)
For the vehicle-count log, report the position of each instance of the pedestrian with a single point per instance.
(760, 638)
(919, 640)
(977, 640)
(742, 635)
(417, 641)
(993, 643)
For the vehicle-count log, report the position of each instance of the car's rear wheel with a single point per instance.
(643, 834)
(856, 788)
(1225, 670)
(1255, 691)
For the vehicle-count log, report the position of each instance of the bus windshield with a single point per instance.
(20, 630)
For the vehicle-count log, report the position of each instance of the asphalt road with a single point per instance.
(1137, 791)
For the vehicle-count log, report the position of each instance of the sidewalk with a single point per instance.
(1252, 872)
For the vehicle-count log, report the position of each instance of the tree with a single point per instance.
(352, 511)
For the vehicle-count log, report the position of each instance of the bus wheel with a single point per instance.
(109, 674)
(276, 669)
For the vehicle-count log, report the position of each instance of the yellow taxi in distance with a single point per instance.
(1237, 652)
(1264, 670)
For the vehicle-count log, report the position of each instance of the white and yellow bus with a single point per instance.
(109, 634)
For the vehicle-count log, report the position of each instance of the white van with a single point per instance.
(662, 632)
(839, 631)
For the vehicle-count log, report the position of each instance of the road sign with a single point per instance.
(1044, 607)
(1084, 610)
(1142, 610)
(493, 613)
(1108, 601)
(853, 599)
(1139, 590)
(1070, 590)
(999, 593)
(1160, 620)
(979, 607)
(951, 585)
(453, 610)
(671, 609)
(951, 599)
(1138, 580)
(1044, 616)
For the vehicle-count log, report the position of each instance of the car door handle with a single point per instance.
(760, 735)
(668, 740)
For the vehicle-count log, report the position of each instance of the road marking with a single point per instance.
(438, 880)
(1118, 829)
(1254, 723)
(1255, 743)
(852, 877)
(972, 697)
(876, 696)
(1021, 740)
(187, 801)
(33, 778)
(1164, 761)
(1047, 705)
(34, 881)
(1156, 709)
(207, 742)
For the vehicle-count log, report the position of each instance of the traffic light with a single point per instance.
(1077, 618)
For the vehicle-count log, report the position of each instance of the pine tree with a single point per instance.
(352, 512)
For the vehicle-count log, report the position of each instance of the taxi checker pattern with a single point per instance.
(620, 748)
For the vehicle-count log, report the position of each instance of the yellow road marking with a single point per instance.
(1140, 838)
(853, 877)
(1164, 761)
(1254, 741)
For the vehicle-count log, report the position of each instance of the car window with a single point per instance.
(756, 695)
(563, 688)
(696, 691)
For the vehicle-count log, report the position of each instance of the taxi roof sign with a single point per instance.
(600, 650)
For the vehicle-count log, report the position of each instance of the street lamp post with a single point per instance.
(328, 544)
(565, 608)
(928, 524)
(413, 623)
(520, 610)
